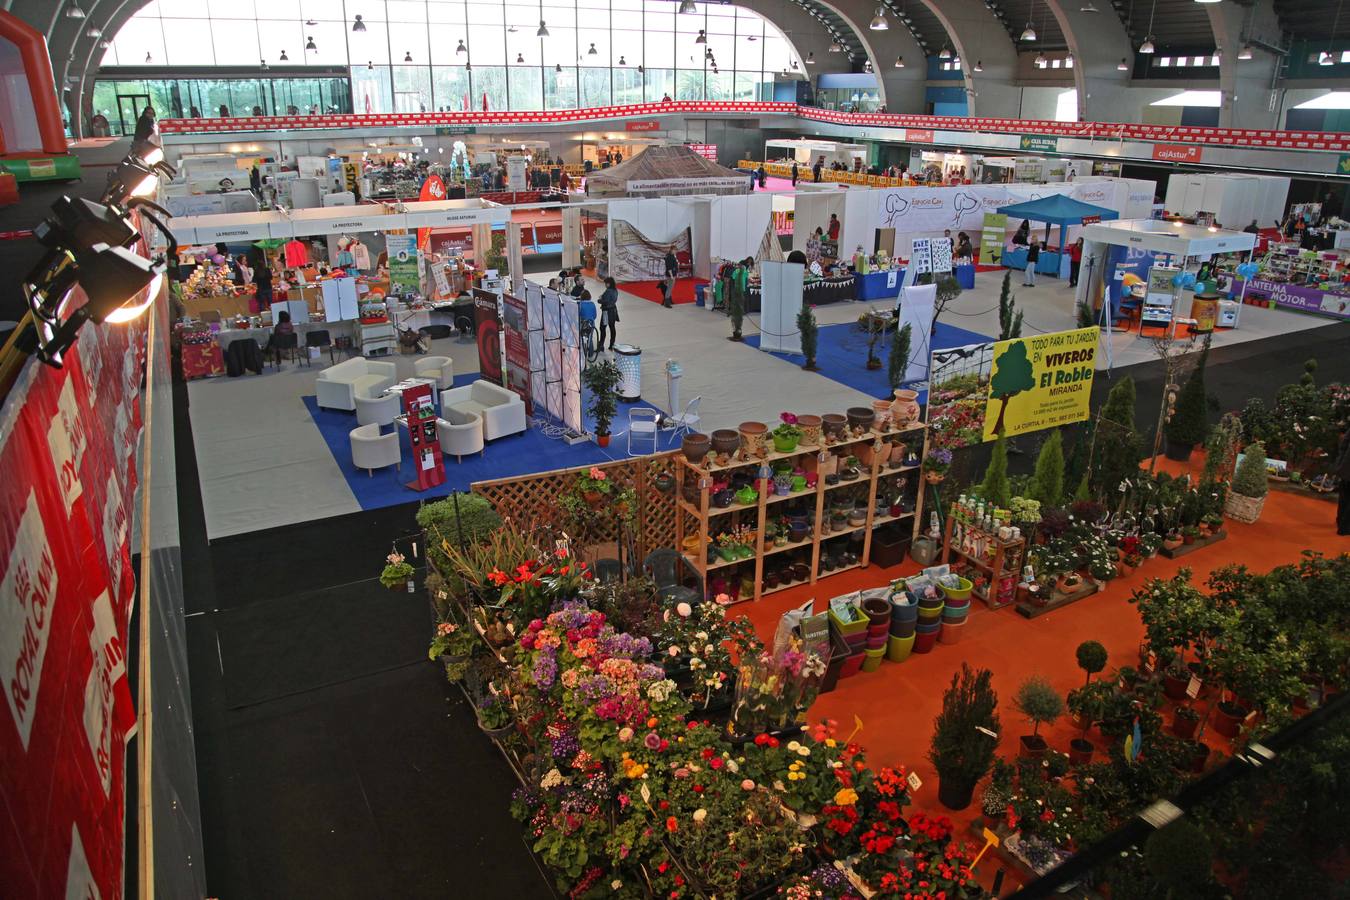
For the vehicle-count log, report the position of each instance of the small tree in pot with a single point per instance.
(1247, 496)
(961, 750)
(899, 360)
(1091, 659)
(810, 331)
(1187, 426)
(1041, 704)
(601, 379)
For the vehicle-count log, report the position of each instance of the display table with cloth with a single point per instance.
(883, 285)
(202, 361)
(227, 336)
(226, 304)
(965, 276)
(337, 386)
(814, 293)
(502, 411)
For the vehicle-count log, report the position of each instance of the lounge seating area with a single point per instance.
(502, 411)
(337, 387)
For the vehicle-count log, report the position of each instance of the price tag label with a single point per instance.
(913, 781)
(1151, 663)
(823, 456)
(983, 730)
(990, 837)
(704, 483)
(1193, 688)
(765, 472)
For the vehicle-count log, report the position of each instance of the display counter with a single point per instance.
(1048, 263)
(228, 305)
(884, 285)
(814, 293)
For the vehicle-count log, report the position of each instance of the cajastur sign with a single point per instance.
(1177, 152)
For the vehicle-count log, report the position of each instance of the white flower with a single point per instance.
(701, 635)
(552, 779)
(803, 751)
(793, 745)
(700, 815)
(732, 767)
(615, 884)
(660, 691)
(683, 609)
(674, 651)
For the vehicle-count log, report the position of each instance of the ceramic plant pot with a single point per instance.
(861, 418)
(834, 425)
(754, 440)
(725, 440)
(905, 407)
(811, 430)
(882, 409)
(695, 446)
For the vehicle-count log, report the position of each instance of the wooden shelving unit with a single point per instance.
(1006, 561)
(704, 520)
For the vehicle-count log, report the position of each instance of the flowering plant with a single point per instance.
(938, 461)
(788, 418)
(700, 646)
(595, 481)
(452, 640)
(397, 570)
(775, 689)
(535, 584)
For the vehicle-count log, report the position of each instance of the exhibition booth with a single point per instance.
(1058, 210)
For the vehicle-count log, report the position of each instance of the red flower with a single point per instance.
(663, 805)
(498, 577)
(672, 824)
(707, 753)
(698, 789)
(716, 763)
(662, 866)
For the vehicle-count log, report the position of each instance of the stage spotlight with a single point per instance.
(131, 178)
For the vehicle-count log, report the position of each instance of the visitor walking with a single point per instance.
(672, 265)
(815, 170)
(1075, 261)
(609, 312)
(667, 285)
(813, 246)
(145, 126)
(834, 227)
(794, 174)
(1033, 254)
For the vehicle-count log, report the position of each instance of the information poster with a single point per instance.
(515, 173)
(921, 256)
(992, 236)
(403, 263)
(515, 319)
(487, 329)
(1040, 382)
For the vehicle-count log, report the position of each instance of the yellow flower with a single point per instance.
(831, 742)
(846, 797)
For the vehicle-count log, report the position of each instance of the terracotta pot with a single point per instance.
(695, 446)
(860, 418)
(811, 431)
(905, 407)
(602, 440)
(1228, 719)
(726, 440)
(1171, 544)
(1174, 685)
(593, 498)
(834, 425)
(1188, 539)
(754, 439)
(882, 409)
(1067, 584)
(1033, 746)
(1080, 751)
(1185, 726)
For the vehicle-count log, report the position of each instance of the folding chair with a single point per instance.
(685, 421)
(642, 422)
(318, 338)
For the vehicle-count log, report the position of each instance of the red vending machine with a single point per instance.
(426, 445)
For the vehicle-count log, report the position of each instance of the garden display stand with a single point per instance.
(1006, 562)
(699, 519)
(1030, 610)
(1200, 543)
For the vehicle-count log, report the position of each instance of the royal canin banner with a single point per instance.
(1335, 142)
(68, 441)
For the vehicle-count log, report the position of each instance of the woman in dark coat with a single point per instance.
(609, 311)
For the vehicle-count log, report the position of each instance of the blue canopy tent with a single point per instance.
(1057, 209)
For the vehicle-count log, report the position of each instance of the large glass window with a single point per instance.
(407, 56)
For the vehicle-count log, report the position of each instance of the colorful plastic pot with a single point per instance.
(924, 641)
(848, 628)
(798, 482)
(903, 629)
(956, 613)
(851, 665)
(959, 593)
(930, 610)
(899, 648)
(904, 608)
(951, 632)
(872, 659)
(785, 444)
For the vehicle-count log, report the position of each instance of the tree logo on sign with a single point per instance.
(1012, 376)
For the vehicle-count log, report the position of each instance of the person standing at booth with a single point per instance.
(1033, 255)
(794, 174)
(1075, 261)
(609, 312)
(672, 265)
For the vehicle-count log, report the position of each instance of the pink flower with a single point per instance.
(597, 474)
(747, 785)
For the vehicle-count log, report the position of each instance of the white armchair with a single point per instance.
(460, 433)
(441, 368)
(380, 410)
(337, 387)
(372, 450)
(502, 411)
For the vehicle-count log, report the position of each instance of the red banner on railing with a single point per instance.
(68, 450)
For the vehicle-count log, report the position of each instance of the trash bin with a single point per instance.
(1204, 310)
(673, 373)
(629, 360)
(698, 294)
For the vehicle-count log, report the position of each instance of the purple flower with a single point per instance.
(545, 670)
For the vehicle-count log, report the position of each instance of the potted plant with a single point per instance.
(810, 332)
(398, 572)
(936, 464)
(1041, 704)
(994, 801)
(1092, 658)
(601, 379)
(1185, 721)
(1189, 533)
(787, 435)
(965, 736)
(594, 486)
(1089, 704)
(1149, 544)
(874, 327)
(495, 716)
(1247, 494)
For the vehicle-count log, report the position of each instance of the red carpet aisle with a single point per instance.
(898, 702)
(648, 290)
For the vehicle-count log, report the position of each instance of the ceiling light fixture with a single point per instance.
(1028, 33)
(836, 47)
(93, 31)
(811, 58)
(1068, 60)
(264, 64)
(1245, 52)
(979, 65)
(1147, 45)
(74, 12)
(1122, 66)
(899, 62)
(104, 45)
(1324, 59)
(702, 37)
(461, 48)
(879, 20)
(687, 7)
(310, 45)
(622, 61)
(148, 59)
(358, 26)
(284, 57)
(407, 56)
(557, 67)
(1088, 8)
(592, 51)
(944, 53)
(543, 29)
(520, 59)
(1040, 60)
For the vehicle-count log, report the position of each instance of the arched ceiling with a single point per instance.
(1313, 20)
(1015, 14)
(1182, 24)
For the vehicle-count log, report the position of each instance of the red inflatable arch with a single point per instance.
(30, 122)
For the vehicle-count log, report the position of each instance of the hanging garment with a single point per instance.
(345, 259)
(361, 254)
(297, 254)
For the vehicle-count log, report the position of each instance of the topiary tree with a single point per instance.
(1009, 317)
(994, 489)
(960, 751)
(1091, 658)
(1250, 479)
(1041, 704)
(1187, 427)
(899, 360)
(1047, 482)
(810, 331)
(1115, 449)
(1181, 858)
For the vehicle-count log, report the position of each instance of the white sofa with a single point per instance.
(441, 368)
(381, 410)
(372, 450)
(337, 387)
(502, 411)
(460, 433)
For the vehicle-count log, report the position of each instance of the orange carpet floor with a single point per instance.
(648, 290)
(898, 702)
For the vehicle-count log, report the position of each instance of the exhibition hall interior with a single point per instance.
(674, 449)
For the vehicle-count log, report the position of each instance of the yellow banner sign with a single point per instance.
(1040, 382)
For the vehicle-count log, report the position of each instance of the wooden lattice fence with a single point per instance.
(534, 500)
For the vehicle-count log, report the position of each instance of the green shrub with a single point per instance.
(959, 751)
(1180, 857)
(1115, 452)
(1091, 657)
(1250, 480)
(810, 331)
(1039, 702)
(995, 489)
(1047, 484)
(899, 360)
(477, 520)
(1188, 421)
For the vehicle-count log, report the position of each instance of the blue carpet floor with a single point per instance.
(519, 454)
(841, 354)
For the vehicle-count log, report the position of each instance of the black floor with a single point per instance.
(334, 759)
